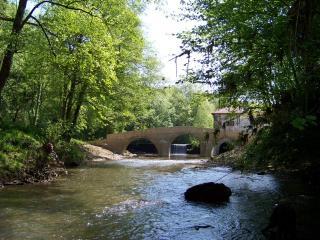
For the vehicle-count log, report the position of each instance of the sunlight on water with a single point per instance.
(158, 162)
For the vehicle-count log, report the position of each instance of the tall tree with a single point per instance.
(22, 18)
(266, 53)
(17, 26)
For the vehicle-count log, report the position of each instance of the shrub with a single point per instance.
(55, 132)
(71, 153)
(16, 147)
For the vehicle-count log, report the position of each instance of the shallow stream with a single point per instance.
(139, 199)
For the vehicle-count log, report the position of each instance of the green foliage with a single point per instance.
(178, 106)
(259, 154)
(55, 131)
(81, 74)
(203, 117)
(15, 139)
(301, 123)
(16, 147)
(98, 75)
(278, 147)
(70, 153)
(95, 71)
(263, 53)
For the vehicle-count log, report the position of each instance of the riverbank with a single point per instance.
(28, 157)
(32, 176)
(97, 154)
(53, 164)
(229, 159)
(309, 175)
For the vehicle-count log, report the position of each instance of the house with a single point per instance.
(234, 119)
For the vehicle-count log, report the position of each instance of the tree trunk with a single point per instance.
(70, 97)
(38, 104)
(15, 117)
(79, 104)
(64, 97)
(10, 50)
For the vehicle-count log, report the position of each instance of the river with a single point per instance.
(139, 199)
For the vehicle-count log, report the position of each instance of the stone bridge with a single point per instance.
(162, 139)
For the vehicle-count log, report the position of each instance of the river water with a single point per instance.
(138, 199)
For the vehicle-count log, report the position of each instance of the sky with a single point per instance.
(159, 28)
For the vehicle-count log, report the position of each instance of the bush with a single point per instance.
(255, 155)
(283, 146)
(16, 139)
(71, 153)
(56, 132)
(16, 147)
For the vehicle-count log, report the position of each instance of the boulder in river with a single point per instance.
(208, 192)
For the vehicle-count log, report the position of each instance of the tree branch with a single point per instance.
(8, 19)
(45, 34)
(57, 4)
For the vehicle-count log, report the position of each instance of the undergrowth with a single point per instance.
(22, 151)
(282, 148)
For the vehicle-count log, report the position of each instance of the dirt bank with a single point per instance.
(98, 154)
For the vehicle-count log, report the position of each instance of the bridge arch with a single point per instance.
(142, 139)
(217, 148)
(186, 138)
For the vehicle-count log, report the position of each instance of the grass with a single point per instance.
(16, 148)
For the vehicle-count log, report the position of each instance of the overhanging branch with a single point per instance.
(45, 34)
(67, 6)
(8, 19)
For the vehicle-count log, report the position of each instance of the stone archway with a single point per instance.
(216, 148)
(183, 142)
(137, 138)
(147, 146)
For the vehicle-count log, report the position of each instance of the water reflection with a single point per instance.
(137, 199)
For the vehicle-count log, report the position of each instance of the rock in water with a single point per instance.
(208, 192)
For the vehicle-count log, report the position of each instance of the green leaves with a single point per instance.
(246, 39)
(263, 53)
(95, 75)
(301, 123)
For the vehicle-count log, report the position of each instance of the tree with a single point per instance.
(203, 118)
(95, 66)
(264, 53)
(22, 18)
